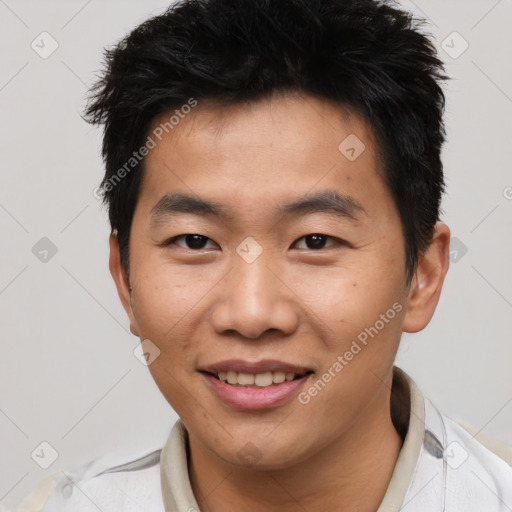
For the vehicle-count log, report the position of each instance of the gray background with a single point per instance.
(68, 374)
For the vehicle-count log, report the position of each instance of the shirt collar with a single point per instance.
(404, 390)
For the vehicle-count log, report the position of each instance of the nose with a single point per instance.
(254, 299)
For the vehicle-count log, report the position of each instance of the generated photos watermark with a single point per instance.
(137, 156)
(355, 348)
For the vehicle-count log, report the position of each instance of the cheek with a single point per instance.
(164, 304)
(164, 297)
(350, 297)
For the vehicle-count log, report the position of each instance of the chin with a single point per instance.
(262, 453)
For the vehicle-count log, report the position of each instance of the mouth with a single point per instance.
(257, 380)
(251, 386)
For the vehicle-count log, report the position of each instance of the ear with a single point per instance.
(122, 282)
(427, 282)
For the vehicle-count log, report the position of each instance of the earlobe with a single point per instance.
(427, 282)
(121, 281)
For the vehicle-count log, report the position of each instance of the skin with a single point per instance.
(293, 303)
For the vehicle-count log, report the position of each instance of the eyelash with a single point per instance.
(337, 241)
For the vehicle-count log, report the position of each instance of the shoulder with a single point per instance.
(133, 485)
(483, 478)
(452, 470)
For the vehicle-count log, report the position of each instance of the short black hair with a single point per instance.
(368, 56)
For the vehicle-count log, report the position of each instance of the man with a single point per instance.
(273, 179)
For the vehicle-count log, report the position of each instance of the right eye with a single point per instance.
(192, 241)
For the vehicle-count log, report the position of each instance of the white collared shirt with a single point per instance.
(440, 468)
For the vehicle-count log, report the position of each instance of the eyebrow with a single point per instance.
(326, 201)
(177, 203)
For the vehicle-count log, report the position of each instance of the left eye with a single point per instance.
(193, 241)
(317, 241)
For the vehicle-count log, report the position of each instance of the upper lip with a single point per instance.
(265, 365)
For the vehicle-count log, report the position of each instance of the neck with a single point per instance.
(352, 473)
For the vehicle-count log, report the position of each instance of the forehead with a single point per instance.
(263, 153)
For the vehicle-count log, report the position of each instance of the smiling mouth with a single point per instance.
(256, 380)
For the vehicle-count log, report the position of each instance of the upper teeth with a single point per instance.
(258, 379)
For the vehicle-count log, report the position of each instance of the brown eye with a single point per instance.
(192, 241)
(317, 241)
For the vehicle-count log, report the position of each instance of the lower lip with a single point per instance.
(255, 398)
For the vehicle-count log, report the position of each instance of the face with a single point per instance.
(262, 251)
